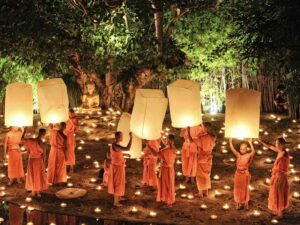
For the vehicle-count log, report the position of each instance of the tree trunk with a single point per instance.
(158, 21)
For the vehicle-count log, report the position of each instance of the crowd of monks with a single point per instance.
(197, 161)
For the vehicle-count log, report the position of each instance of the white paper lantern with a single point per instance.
(185, 103)
(124, 127)
(242, 113)
(18, 105)
(148, 113)
(53, 100)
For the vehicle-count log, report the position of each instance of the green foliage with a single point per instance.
(205, 42)
(15, 69)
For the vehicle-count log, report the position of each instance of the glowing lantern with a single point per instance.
(242, 113)
(124, 127)
(148, 113)
(53, 100)
(18, 105)
(185, 107)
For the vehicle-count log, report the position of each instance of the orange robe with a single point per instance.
(106, 173)
(116, 178)
(242, 179)
(36, 179)
(206, 143)
(15, 214)
(279, 186)
(71, 127)
(149, 172)
(57, 172)
(189, 152)
(15, 160)
(166, 183)
(36, 217)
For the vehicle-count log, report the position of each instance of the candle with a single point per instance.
(63, 204)
(28, 199)
(2, 193)
(29, 223)
(256, 142)
(266, 133)
(98, 188)
(183, 195)
(70, 185)
(296, 194)
(93, 180)
(97, 210)
(259, 152)
(227, 187)
(137, 193)
(268, 160)
(22, 206)
(134, 209)
(88, 157)
(216, 177)
(2, 175)
(290, 130)
(1, 220)
(213, 217)
(97, 139)
(138, 159)
(296, 179)
(178, 152)
(152, 214)
(182, 187)
(217, 193)
(293, 171)
(190, 196)
(251, 187)
(79, 148)
(294, 121)
(81, 141)
(224, 143)
(256, 213)
(29, 208)
(274, 221)
(203, 206)
(267, 181)
(232, 159)
(226, 206)
(2, 188)
(179, 174)
(178, 161)
(265, 148)
(224, 151)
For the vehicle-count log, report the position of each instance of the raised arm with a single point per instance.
(267, 145)
(232, 148)
(189, 134)
(251, 146)
(120, 148)
(24, 133)
(155, 153)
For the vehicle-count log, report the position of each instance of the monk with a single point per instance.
(57, 172)
(106, 165)
(71, 128)
(166, 183)
(15, 161)
(189, 153)
(242, 176)
(149, 171)
(279, 185)
(15, 214)
(36, 179)
(205, 144)
(116, 178)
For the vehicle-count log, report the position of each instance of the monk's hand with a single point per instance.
(250, 140)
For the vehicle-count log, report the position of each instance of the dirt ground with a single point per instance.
(92, 139)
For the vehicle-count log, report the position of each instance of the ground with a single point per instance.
(92, 139)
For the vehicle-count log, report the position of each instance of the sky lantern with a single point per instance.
(18, 105)
(53, 100)
(124, 127)
(148, 113)
(242, 113)
(185, 103)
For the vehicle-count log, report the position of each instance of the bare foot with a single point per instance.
(19, 181)
(118, 205)
(167, 206)
(199, 195)
(10, 182)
